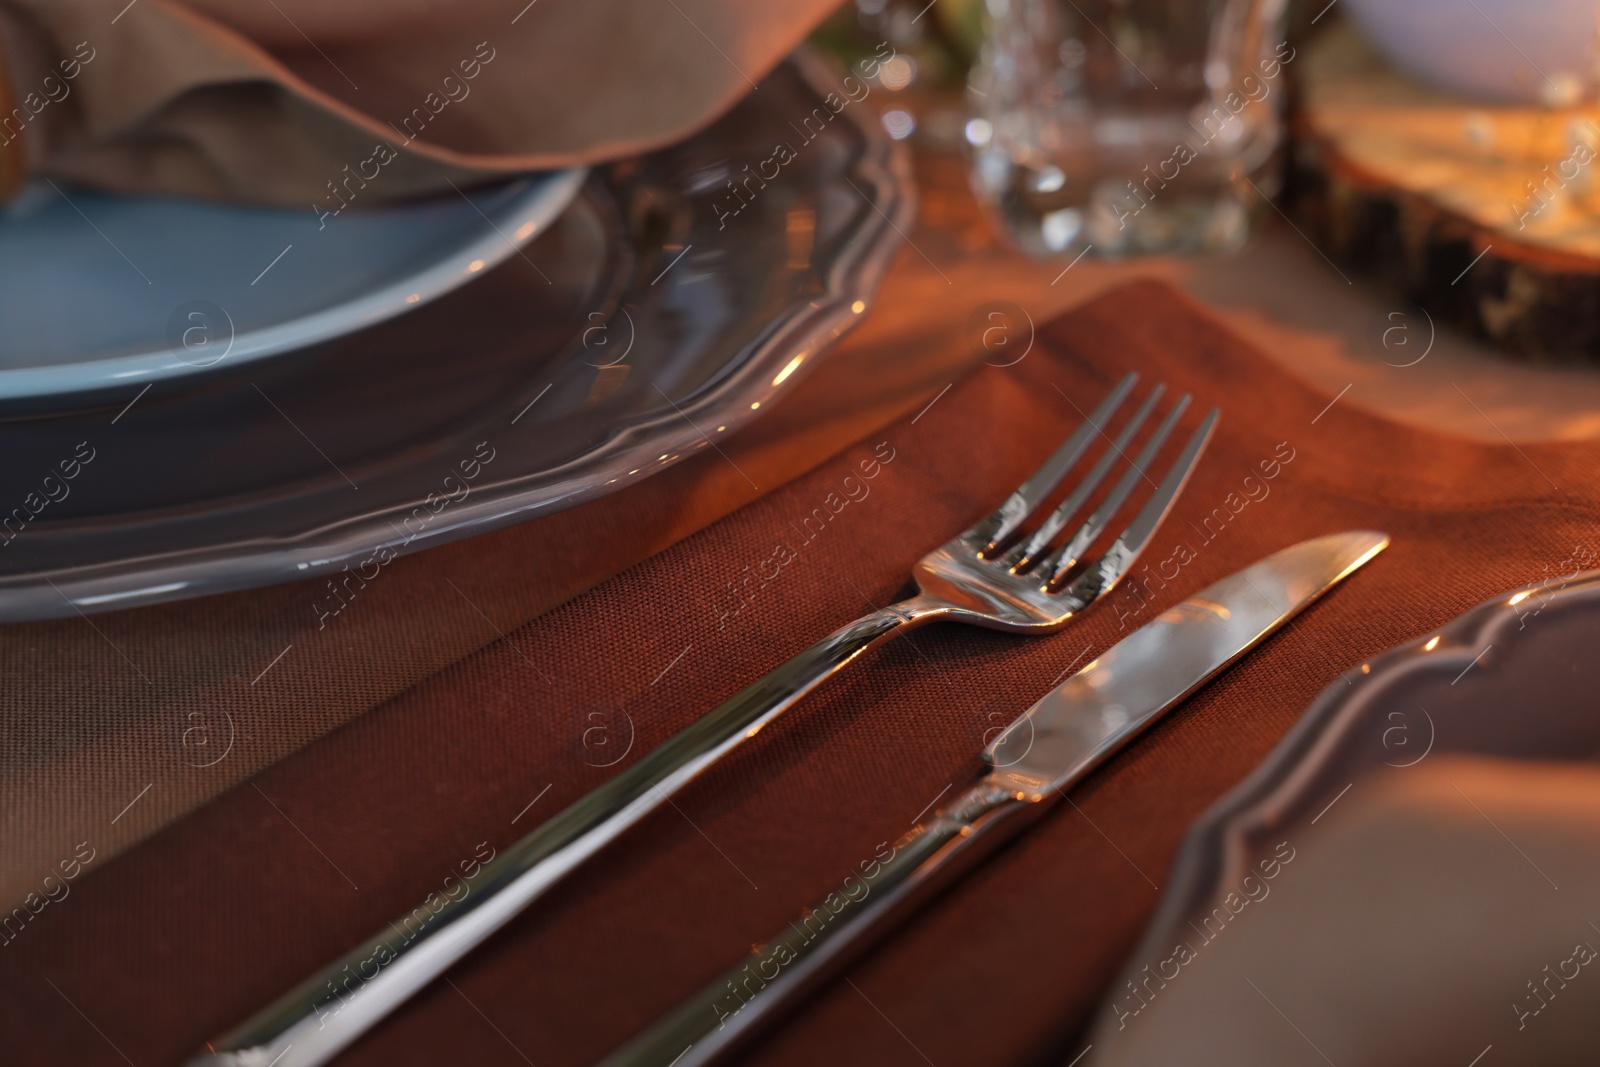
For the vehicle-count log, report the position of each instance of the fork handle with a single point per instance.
(823, 940)
(315, 1020)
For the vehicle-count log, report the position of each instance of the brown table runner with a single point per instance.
(186, 934)
(82, 734)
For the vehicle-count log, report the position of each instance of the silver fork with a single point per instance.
(992, 575)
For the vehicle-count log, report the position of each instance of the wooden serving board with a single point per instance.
(1487, 215)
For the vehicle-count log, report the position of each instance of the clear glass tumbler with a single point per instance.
(1127, 126)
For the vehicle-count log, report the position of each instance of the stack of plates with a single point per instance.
(198, 397)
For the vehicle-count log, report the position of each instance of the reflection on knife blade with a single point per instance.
(1040, 755)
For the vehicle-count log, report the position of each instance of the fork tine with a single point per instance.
(1108, 570)
(1064, 558)
(1005, 519)
(1026, 552)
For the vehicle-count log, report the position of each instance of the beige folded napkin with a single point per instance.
(1436, 912)
(334, 102)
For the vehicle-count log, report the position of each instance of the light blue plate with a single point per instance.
(102, 290)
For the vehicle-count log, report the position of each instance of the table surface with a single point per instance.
(1328, 326)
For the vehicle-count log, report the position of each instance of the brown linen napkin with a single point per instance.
(204, 923)
(299, 102)
(1407, 929)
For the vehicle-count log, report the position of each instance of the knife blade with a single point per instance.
(1045, 751)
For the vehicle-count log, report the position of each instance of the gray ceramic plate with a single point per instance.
(100, 291)
(645, 321)
(1531, 697)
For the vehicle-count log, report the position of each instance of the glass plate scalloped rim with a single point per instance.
(522, 207)
(884, 178)
(1292, 783)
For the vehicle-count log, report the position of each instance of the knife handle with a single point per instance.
(312, 1022)
(826, 938)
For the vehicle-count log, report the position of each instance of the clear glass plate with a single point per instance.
(663, 309)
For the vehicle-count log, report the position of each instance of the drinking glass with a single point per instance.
(1127, 126)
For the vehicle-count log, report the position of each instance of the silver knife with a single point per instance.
(1046, 751)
